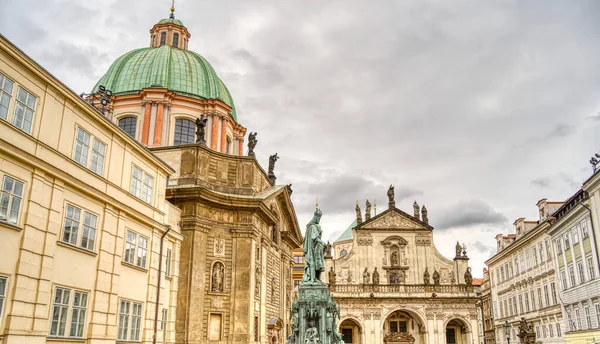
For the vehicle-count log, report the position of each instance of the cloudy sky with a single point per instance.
(477, 109)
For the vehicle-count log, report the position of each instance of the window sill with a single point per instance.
(10, 226)
(73, 247)
(66, 339)
(134, 267)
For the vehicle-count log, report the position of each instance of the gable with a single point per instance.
(394, 219)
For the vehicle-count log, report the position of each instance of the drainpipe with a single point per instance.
(160, 253)
(592, 222)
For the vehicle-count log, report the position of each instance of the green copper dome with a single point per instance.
(171, 21)
(181, 71)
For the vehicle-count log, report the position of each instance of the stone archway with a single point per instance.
(351, 331)
(457, 331)
(404, 327)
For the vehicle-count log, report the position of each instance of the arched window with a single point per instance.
(343, 253)
(217, 280)
(163, 38)
(228, 145)
(184, 131)
(129, 125)
(175, 40)
(153, 40)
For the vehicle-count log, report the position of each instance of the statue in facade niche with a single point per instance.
(217, 277)
(424, 214)
(426, 277)
(458, 249)
(271, 174)
(394, 258)
(314, 262)
(436, 277)
(468, 277)
(312, 335)
(200, 130)
(358, 214)
(375, 277)
(252, 141)
(366, 276)
(416, 210)
(332, 275)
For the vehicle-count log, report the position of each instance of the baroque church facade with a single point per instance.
(394, 286)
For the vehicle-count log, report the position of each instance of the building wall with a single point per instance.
(39, 262)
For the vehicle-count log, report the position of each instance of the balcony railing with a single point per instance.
(386, 290)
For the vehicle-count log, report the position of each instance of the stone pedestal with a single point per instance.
(314, 315)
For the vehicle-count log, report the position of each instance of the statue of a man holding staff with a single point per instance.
(314, 263)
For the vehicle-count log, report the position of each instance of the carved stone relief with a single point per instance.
(218, 278)
(219, 247)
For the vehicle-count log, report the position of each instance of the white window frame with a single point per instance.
(74, 321)
(584, 229)
(10, 197)
(534, 254)
(572, 278)
(591, 273)
(84, 143)
(83, 227)
(142, 184)
(575, 234)
(25, 107)
(541, 252)
(581, 271)
(5, 94)
(129, 323)
(168, 263)
(139, 253)
(3, 290)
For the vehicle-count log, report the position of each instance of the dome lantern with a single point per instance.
(169, 31)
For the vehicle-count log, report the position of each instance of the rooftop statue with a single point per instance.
(426, 277)
(468, 277)
(458, 249)
(358, 214)
(200, 131)
(424, 214)
(314, 262)
(367, 210)
(271, 174)
(436, 277)
(390, 194)
(366, 276)
(252, 141)
(416, 210)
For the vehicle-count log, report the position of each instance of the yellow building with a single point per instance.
(83, 219)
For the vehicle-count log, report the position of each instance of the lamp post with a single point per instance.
(507, 331)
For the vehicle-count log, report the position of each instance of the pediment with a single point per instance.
(394, 219)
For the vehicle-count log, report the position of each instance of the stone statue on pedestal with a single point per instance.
(367, 211)
(436, 277)
(375, 276)
(416, 211)
(424, 214)
(468, 277)
(200, 131)
(366, 276)
(390, 194)
(332, 275)
(426, 277)
(458, 249)
(358, 214)
(252, 141)
(271, 174)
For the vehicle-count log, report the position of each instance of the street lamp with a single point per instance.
(507, 331)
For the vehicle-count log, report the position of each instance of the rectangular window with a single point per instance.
(534, 256)
(588, 317)
(130, 320)
(551, 330)
(141, 185)
(515, 304)
(136, 247)
(71, 234)
(566, 241)
(546, 295)
(527, 302)
(590, 264)
(215, 326)
(510, 271)
(163, 323)
(558, 333)
(521, 304)
(68, 313)
(502, 273)
(532, 300)
(553, 291)
(548, 252)
(576, 234)
(24, 109)
(82, 147)
(584, 229)
(572, 276)
(580, 271)
(597, 306)
(541, 250)
(522, 259)
(540, 304)
(578, 318)
(516, 267)
(545, 333)
(563, 277)
(98, 154)
(81, 151)
(6, 88)
(168, 263)
(558, 247)
(11, 196)
(3, 284)
(501, 310)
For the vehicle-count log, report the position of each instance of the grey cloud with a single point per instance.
(541, 182)
(595, 118)
(561, 130)
(469, 213)
(486, 250)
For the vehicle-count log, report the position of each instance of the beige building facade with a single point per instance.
(83, 219)
(487, 312)
(394, 286)
(574, 232)
(524, 280)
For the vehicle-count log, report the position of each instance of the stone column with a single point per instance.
(158, 124)
(241, 330)
(214, 137)
(241, 146)
(146, 123)
(224, 136)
